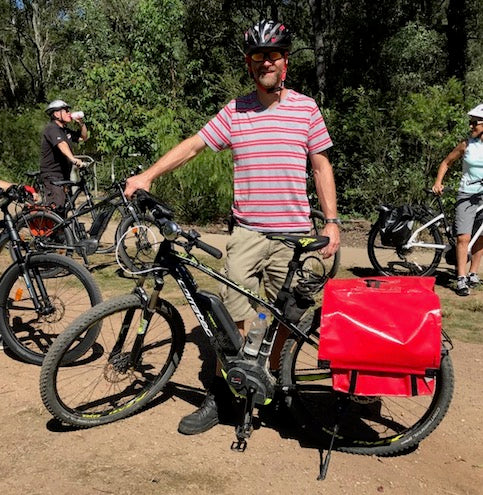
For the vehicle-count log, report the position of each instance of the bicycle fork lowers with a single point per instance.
(32, 277)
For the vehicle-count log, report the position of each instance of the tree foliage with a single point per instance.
(394, 79)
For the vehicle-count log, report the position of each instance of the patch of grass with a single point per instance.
(462, 316)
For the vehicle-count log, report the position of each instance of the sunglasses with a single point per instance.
(261, 56)
(476, 122)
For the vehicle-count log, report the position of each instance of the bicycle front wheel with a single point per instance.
(62, 290)
(138, 242)
(367, 425)
(397, 261)
(109, 383)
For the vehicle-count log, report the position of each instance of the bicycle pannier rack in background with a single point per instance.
(381, 336)
(396, 224)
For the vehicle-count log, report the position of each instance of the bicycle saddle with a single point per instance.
(65, 183)
(32, 173)
(304, 243)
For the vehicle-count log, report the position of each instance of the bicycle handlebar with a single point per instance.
(478, 181)
(212, 250)
(14, 193)
(171, 230)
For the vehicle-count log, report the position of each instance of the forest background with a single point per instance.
(394, 80)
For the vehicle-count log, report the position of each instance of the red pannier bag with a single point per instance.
(381, 335)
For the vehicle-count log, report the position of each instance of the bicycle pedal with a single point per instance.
(239, 445)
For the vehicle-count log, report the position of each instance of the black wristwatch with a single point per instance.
(333, 220)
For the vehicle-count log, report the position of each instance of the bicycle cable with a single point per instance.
(119, 261)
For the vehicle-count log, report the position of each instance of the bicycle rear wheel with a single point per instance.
(105, 386)
(367, 425)
(397, 261)
(47, 227)
(64, 290)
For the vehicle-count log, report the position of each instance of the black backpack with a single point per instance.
(395, 224)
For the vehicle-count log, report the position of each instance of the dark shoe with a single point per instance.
(202, 419)
(462, 288)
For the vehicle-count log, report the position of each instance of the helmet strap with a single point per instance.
(53, 117)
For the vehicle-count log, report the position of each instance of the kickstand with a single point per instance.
(342, 409)
(244, 430)
(324, 463)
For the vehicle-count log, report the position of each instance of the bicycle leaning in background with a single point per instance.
(411, 242)
(142, 336)
(40, 293)
(84, 229)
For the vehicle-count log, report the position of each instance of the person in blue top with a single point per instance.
(470, 197)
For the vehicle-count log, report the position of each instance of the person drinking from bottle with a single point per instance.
(470, 197)
(271, 133)
(56, 156)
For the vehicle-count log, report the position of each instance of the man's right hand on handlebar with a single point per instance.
(438, 188)
(137, 182)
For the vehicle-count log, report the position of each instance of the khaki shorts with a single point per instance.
(252, 259)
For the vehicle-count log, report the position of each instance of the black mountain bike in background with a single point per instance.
(142, 336)
(40, 294)
(85, 228)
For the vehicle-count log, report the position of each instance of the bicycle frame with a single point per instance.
(413, 242)
(77, 230)
(174, 263)
(248, 377)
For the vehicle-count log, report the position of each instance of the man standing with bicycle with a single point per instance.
(470, 197)
(56, 157)
(271, 132)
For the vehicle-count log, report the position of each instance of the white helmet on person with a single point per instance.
(476, 112)
(56, 105)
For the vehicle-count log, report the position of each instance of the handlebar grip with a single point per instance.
(213, 251)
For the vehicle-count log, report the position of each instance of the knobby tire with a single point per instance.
(102, 387)
(71, 291)
(367, 425)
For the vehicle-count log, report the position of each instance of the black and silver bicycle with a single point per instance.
(40, 293)
(83, 229)
(142, 337)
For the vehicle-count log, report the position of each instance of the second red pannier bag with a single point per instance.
(381, 335)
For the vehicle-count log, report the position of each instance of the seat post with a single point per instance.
(292, 268)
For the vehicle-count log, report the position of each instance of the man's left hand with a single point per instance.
(331, 230)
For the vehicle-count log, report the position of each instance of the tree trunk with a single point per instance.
(40, 45)
(319, 47)
(457, 38)
(9, 75)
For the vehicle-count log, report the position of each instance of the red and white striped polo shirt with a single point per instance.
(270, 148)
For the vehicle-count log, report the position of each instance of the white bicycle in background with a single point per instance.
(429, 236)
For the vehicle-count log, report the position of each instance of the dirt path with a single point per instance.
(145, 455)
